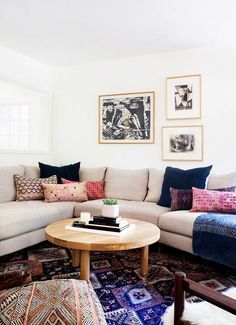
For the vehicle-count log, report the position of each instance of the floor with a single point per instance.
(127, 297)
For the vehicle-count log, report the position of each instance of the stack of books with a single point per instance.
(108, 224)
(103, 225)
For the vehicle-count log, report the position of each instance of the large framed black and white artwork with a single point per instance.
(182, 142)
(127, 118)
(183, 97)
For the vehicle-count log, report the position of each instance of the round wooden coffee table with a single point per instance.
(82, 242)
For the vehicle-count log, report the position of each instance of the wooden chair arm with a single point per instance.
(182, 285)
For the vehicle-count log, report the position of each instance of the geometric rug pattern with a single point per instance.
(127, 297)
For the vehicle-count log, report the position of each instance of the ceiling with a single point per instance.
(67, 32)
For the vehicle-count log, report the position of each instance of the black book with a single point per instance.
(106, 219)
(106, 228)
(121, 224)
(104, 223)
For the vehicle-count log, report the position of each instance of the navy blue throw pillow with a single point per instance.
(70, 172)
(182, 180)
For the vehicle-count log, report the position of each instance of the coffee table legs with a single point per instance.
(84, 265)
(144, 261)
(82, 258)
(75, 257)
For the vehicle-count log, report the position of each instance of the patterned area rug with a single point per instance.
(127, 297)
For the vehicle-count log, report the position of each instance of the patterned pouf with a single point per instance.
(51, 302)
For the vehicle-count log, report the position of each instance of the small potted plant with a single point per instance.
(110, 208)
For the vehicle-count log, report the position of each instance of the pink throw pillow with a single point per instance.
(65, 192)
(213, 201)
(95, 189)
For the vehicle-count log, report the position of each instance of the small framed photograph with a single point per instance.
(183, 97)
(127, 118)
(182, 143)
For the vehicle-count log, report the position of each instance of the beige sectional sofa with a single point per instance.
(22, 224)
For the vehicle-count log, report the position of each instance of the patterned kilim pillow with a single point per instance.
(65, 192)
(95, 189)
(31, 188)
(182, 199)
(213, 201)
(67, 181)
(51, 302)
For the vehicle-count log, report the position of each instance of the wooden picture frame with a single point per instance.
(183, 97)
(182, 143)
(127, 118)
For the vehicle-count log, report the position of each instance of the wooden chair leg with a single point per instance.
(179, 297)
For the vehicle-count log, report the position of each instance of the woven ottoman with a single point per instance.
(51, 302)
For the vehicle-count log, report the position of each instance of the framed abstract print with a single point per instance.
(183, 97)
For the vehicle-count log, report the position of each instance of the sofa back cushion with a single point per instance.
(31, 171)
(7, 184)
(92, 174)
(155, 181)
(219, 181)
(126, 184)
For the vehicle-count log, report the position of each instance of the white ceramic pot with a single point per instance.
(110, 211)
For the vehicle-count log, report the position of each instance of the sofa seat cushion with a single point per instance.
(178, 222)
(145, 211)
(18, 218)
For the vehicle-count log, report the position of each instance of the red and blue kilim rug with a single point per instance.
(126, 297)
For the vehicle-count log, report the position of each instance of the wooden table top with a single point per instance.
(144, 234)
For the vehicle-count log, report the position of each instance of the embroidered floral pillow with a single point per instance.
(95, 189)
(213, 201)
(65, 192)
(182, 199)
(31, 188)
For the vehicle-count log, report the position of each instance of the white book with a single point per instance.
(102, 232)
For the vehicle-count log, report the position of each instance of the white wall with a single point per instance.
(76, 91)
(27, 73)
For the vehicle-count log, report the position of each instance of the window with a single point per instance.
(25, 119)
(14, 126)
